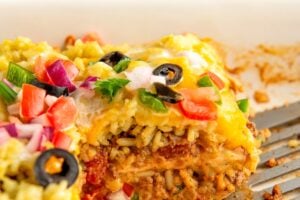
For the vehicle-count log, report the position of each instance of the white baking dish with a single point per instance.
(233, 21)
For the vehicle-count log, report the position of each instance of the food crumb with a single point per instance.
(265, 133)
(293, 143)
(272, 163)
(235, 84)
(276, 194)
(252, 128)
(70, 40)
(261, 96)
(275, 162)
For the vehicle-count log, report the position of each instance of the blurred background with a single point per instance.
(117, 21)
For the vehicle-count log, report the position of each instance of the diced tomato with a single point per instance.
(217, 80)
(128, 189)
(41, 119)
(50, 100)
(32, 102)
(40, 70)
(71, 69)
(195, 106)
(91, 37)
(61, 140)
(62, 113)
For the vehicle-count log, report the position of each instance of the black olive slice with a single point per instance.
(167, 94)
(118, 61)
(113, 58)
(172, 72)
(69, 172)
(51, 89)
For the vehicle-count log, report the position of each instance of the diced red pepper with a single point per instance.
(62, 113)
(32, 102)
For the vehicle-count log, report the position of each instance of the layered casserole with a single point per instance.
(151, 121)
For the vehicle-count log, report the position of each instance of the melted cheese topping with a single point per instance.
(231, 122)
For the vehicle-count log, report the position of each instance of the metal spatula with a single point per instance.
(284, 123)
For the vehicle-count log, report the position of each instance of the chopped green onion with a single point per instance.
(150, 100)
(205, 81)
(19, 75)
(110, 87)
(135, 196)
(7, 94)
(243, 105)
(122, 65)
